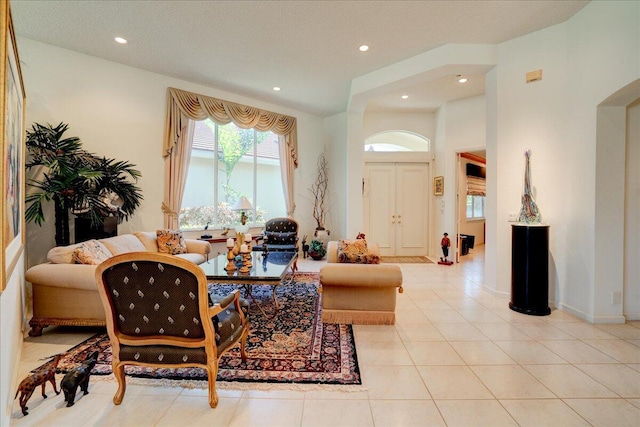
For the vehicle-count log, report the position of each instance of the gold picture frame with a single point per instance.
(438, 186)
(12, 111)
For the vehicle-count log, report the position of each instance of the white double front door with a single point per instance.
(396, 208)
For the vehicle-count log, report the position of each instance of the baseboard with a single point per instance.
(590, 318)
(501, 294)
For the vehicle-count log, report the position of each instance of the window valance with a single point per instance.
(183, 105)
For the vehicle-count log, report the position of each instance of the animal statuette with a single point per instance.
(305, 247)
(39, 377)
(78, 377)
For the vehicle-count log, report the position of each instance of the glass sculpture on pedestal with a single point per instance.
(529, 212)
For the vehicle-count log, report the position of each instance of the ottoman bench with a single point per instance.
(363, 294)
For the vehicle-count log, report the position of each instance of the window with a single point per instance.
(475, 207)
(390, 141)
(228, 162)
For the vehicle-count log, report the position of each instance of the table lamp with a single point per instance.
(243, 204)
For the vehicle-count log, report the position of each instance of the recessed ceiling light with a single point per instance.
(120, 40)
(462, 79)
(404, 96)
(363, 48)
(276, 88)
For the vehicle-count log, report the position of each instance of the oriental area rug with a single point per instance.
(290, 347)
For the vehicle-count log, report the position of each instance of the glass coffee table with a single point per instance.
(269, 269)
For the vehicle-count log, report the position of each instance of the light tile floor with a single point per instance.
(457, 356)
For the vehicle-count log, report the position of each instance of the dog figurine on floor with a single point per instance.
(305, 247)
(40, 377)
(78, 377)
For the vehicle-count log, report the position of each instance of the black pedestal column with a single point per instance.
(530, 269)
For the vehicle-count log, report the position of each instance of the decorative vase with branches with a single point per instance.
(77, 181)
(319, 191)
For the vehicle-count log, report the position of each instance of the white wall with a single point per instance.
(11, 320)
(119, 112)
(335, 137)
(583, 61)
(631, 292)
(421, 123)
(531, 116)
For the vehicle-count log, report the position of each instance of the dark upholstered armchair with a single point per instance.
(158, 314)
(280, 235)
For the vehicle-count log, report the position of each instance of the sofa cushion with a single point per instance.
(123, 244)
(91, 252)
(62, 254)
(171, 242)
(355, 251)
(149, 239)
(195, 258)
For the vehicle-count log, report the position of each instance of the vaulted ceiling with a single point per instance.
(307, 48)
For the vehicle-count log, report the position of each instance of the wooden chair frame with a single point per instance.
(208, 342)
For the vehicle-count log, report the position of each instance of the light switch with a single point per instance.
(513, 217)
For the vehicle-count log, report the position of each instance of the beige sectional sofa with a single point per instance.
(65, 293)
(359, 293)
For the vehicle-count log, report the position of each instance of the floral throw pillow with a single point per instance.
(356, 252)
(91, 252)
(171, 242)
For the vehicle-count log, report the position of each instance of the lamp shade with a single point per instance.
(243, 204)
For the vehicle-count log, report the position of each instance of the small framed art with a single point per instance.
(438, 186)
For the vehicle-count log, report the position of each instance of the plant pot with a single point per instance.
(322, 235)
(317, 250)
(317, 256)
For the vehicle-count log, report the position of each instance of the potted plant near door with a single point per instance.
(77, 181)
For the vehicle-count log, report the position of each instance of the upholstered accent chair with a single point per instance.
(280, 235)
(158, 314)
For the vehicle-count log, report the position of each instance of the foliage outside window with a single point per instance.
(475, 207)
(228, 162)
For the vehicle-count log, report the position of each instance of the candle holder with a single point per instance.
(247, 240)
(245, 263)
(247, 258)
(230, 264)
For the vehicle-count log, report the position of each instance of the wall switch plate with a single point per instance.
(513, 217)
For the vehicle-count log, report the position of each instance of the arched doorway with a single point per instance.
(396, 192)
(617, 249)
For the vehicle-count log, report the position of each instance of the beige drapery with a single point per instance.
(287, 167)
(183, 106)
(176, 166)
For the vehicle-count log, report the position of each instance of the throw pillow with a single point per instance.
(171, 242)
(355, 251)
(90, 252)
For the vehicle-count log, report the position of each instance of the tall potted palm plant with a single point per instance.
(77, 181)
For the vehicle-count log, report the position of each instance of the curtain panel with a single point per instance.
(183, 107)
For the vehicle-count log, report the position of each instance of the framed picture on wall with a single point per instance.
(12, 149)
(438, 186)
